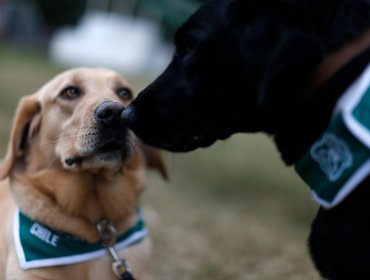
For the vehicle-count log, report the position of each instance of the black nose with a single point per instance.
(128, 116)
(108, 113)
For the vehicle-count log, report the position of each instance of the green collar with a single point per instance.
(40, 246)
(339, 160)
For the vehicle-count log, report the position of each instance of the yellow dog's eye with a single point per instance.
(70, 93)
(125, 94)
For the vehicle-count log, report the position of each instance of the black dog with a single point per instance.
(277, 66)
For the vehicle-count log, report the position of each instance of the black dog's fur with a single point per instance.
(245, 66)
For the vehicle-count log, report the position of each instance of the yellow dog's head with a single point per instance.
(73, 122)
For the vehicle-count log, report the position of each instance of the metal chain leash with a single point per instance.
(108, 235)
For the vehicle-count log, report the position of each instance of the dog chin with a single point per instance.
(188, 144)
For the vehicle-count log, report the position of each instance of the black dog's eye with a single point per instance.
(185, 47)
(189, 47)
(70, 93)
(125, 94)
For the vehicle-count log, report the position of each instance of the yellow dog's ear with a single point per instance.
(26, 110)
(154, 159)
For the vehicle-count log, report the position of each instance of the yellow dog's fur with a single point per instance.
(46, 131)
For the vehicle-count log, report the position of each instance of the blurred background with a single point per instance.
(232, 211)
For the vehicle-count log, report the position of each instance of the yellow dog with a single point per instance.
(72, 177)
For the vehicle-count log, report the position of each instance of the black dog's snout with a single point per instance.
(128, 116)
(108, 113)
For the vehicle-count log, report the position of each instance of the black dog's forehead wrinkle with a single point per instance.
(191, 35)
(212, 13)
(198, 30)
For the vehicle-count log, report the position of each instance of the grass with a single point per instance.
(232, 211)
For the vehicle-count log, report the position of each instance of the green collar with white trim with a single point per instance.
(40, 246)
(339, 160)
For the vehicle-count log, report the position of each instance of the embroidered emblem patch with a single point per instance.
(333, 155)
(340, 159)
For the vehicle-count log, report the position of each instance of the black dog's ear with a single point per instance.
(296, 55)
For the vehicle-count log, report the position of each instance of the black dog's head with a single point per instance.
(239, 66)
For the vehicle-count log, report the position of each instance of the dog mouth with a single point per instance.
(73, 161)
(181, 138)
(110, 151)
(174, 136)
(188, 145)
(179, 143)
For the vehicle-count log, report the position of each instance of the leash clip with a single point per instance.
(108, 235)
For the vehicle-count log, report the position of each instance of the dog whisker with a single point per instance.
(56, 139)
(65, 133)
(60, 140)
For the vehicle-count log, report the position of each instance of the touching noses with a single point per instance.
(109, 113)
